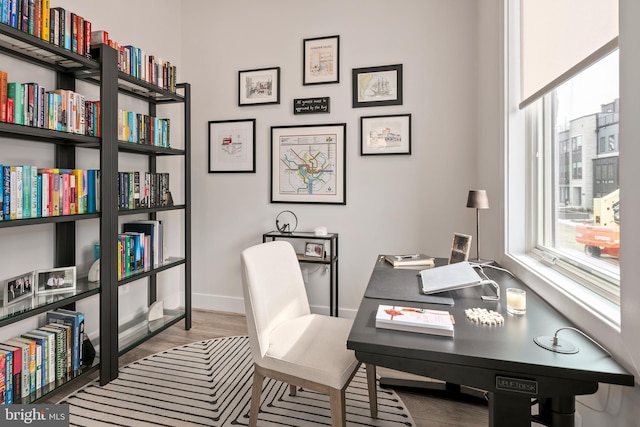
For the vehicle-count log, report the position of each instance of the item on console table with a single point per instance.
(411, 260)
(435, 322)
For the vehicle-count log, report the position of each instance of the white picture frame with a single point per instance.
(18, 288)
(56, 280)
(314, 249)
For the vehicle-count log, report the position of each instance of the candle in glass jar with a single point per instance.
(516, 301)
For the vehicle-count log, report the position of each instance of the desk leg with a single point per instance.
(441, 390)
(508, 410)
(557, 412)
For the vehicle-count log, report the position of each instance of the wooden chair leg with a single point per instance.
(373, 390)
(293, 390)
(338, 410)
(256, 395)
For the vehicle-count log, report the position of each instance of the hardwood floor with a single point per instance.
(426, 411)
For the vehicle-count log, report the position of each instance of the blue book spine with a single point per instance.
(5, 11)
(2, 195)
(6, 192)
(74, 322)
(91, 191)
(13, 13)
(8, 388)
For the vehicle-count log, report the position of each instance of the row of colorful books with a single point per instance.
(143, 129)
(41, 356)
(32, 192)
(73, 32)
(143, 190)
(140, 246)
(30, 104)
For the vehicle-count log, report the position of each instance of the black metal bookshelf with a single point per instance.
(100, 68)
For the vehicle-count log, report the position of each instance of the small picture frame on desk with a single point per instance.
(18, 288)
(314, 250)
(460, 248)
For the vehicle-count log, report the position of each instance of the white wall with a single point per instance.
(394, 203)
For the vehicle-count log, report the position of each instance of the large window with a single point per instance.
(575, 168)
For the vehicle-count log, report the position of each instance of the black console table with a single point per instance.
(329, 259)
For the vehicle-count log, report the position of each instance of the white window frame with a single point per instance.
(559, 282)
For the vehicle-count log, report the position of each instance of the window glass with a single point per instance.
(577, 172)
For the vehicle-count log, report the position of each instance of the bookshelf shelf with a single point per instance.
(138, 330)
(101, 69)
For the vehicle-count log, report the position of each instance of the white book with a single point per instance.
(449, 277)
(411, 319)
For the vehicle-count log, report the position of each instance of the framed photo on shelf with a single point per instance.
(321, 63)
(259, 87)
(314, 250)
(56, 280)
(232, 146)
(308, 164)
(18, 288)
(377, 86)
(460, 248)
(385, 134)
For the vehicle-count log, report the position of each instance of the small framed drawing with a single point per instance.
(385, 134)
(256, 87)
(377, 86)
(232, 146)
(18, 288)
(314, 250)
(55, 280)
(308, 164)
(321, 60)
(460, 248)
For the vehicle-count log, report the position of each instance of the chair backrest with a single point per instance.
(273, 290)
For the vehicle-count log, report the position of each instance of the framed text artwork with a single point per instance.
(385, 134)
(377, 86)
(232, 146)
(321, 63)
(258, 87)
(308, 164)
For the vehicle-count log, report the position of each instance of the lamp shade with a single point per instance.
(478, 199)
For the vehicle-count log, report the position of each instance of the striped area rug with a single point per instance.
(208, 383)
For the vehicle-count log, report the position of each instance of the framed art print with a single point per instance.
(385, 134)
(232, 146)
(260, 86)
(321, 63)
(377, 86)
(314, 250)
(56, 280)
(18, 288)
(308, 164)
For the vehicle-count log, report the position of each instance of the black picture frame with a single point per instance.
(232, 146)
(385, 135)
(321, 60)
(377, 86)
(308, 164)
(259, 87)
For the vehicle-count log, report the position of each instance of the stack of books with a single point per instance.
(410, 260)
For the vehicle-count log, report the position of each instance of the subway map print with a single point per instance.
(307, 164)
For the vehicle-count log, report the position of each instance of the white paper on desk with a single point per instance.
(448, 277)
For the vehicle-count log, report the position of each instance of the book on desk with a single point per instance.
(435, 322)
(410, 260)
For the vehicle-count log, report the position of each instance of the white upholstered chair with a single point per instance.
(290, 344)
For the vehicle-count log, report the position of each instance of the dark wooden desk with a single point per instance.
(502, 360)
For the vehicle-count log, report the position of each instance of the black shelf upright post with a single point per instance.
(109, 214)
(187, 203)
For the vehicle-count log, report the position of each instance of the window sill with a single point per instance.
(592, 313)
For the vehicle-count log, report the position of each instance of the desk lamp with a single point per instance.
(478, 199)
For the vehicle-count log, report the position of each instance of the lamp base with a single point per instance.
(481, 261)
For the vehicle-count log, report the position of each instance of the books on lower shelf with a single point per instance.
(411, 319)
(41, 356)
(410, 260)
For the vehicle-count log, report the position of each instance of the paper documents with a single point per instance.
(448, 277)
